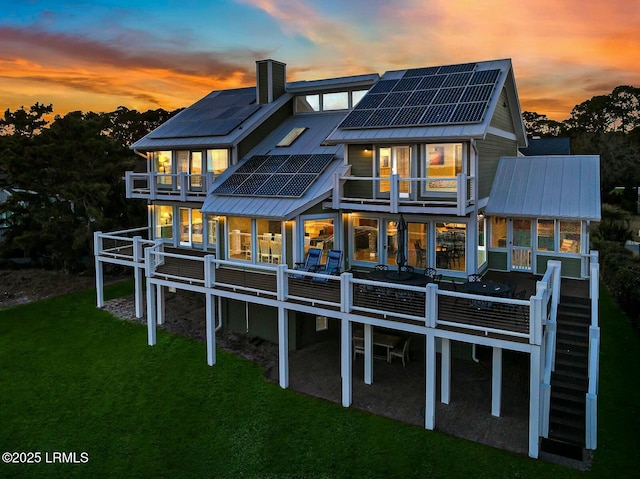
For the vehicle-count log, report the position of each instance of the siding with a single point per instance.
(264, 129)
(263, 83)
(497, 260)
(490, 150)
(502, 115)
(361, 165)
(571, 267)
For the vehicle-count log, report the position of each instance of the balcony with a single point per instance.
(404, 195)
(176, 187)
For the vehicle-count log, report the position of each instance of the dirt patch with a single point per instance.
(21, 286)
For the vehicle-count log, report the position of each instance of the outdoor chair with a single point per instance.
(276, 251)
(437, 278)
(474, 278)
(312, 261)
(381, 267)
(401, 351)
(522, 294)
(420, 253)
(332, 266)
(407, 269)
(358, 347)
(513, 287)
(265, 255)
(430, 272)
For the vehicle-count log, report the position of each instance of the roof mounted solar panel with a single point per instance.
(395, 99)
(468, 112)
(384, 86)
(421, 98)
(356, 119)
(448, 95)
(462, 67)
(297, 185)
(252, 164)
(410, 115)
(433, 81)
(477, 93)
(436, 114)
(407, 84)
(273, 186)
(371, 101)
(382, 117)
(316, 163)
(484, 77)
(421, 72)
(457, 79)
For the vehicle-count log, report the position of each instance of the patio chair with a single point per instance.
(437, 278)
(265, 255)
(332, 266)
(401, 351)
(276, 251)
(430, 273)
(311, 261)
(522, 294)
(407, 269)
(474, 278)
(358, 347)
(381, 267)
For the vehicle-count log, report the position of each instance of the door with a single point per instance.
(185, 226)
(520, 250)
(195, 171)
(394, 161)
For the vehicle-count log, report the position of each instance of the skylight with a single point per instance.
(292, 136)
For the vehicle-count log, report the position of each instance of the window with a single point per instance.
(195, 171)
(162, 165)
(217, 161)
(239, 244)
(269, 241)
(451, 246)
(307, 103)
(211, 231)
(335, 101)
(395, 161)
(196, 226)
(417, 245)
(292, 136)
(163, 222)
(365, 239)
(356, 96)
(318, 233)
(498, 232)
(546, 235)
(570, 236)
(442, 163)
(482, 244)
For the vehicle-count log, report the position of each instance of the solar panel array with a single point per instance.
(215, 115)
(287, 176)
(426, 96)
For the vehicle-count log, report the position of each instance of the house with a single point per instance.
(390, 177)
(547, 146)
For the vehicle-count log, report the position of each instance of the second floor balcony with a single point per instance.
(177, 186)
(396, 194)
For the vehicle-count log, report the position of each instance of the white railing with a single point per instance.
(594, 355)
(181, 186)
(124, 245)
(395, 192)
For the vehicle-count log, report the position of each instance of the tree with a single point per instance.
(539, 125)
(617, 111)
(25, 123)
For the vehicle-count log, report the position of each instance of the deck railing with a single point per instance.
(404, 193)
(176, 186)
(125, 245)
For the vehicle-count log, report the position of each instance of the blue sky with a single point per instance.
(98, 55)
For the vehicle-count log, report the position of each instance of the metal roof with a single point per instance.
(304, 86)
(276, 208)
(448, 131)
(559, 187)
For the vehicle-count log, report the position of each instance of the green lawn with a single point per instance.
(76, 379)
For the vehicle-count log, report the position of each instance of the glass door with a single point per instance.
(521, 245)
(195, 171)
(394, 161)
(182, 167)
(185, 226)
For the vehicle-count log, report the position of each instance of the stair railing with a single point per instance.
(591, 419)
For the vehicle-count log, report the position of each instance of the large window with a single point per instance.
(365, 237)
(211, 231)
(482, 241)
(259, 241)
(163, 217)
(546, 235)
(318, 233)
(162, 165)
(335, 101)
(451, 246)
(239, 244)
(570, 236)
(217, 161)
(442, 163)
(498, 232)
(417, 242)
(269, 241)
(394, 161)
(339, 100)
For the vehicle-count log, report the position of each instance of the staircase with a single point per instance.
(569, 381)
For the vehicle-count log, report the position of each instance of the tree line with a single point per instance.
(64, 180)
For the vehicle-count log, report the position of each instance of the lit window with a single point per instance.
(498, 232)
(442, 163)
(365, 236)
(356, 96)
(570, 236)
(292, 136)
(164, 221)
(335, 101)
(451, 240)
(319, 234)
(217, 161)
(546, 235)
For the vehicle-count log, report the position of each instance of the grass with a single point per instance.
(75, 379)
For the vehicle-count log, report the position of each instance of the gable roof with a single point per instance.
(558, 187)
(449, 102)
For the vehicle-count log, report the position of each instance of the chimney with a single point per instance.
(270, 80)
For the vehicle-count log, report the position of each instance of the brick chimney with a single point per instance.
(270, 80)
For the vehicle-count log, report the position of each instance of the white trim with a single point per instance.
(492, 130)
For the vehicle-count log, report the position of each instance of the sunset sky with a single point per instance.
(98, 55)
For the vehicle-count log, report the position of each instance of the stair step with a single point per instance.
(565, 434)
(571, 343)
(562, 449)
(571, 410)
(563, 384)
(581, 336)
(563, 399)
(566, 375)
(574, 300)
(572, 363)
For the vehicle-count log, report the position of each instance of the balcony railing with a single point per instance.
(519, 320)
(177, 186)
(404, 195)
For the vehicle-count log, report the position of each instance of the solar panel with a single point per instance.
(434, 81)
(356, 118)
(293, 164)
(468, 112)
(382, 117)
(273, 186)
(271, 164)
(448, 95)
(231, 183)
(462, 67)
(252, 164)
(456, 79)
(316, 164)
(395, 99)
(437, 114)
(477, 93)
(421, 72)
(251, 184)
(384, 86)
(297, 185)
(407, 84)
(410, 115)
(371, 101)
(421, 98)
(484, 77)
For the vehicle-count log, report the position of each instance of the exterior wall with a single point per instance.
(361, 162)
(263, 320)
(490, 150)
(571, 267)
(497, 260)
(502, 116)
(264, 129)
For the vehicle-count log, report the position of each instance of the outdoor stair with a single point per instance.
(569, 381)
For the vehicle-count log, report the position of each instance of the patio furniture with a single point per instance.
(332, 266)
(430, 273)
(420, 253)
(265, 256)
(312, 260)
(383, 340)
(401, 352)
(358, 346)
(486, 288)
(381, 267)
(276, 251)
(474, 278)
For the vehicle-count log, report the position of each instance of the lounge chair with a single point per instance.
(332, 266)
(311, 262)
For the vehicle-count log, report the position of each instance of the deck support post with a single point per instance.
(368, 354)
(445, 375)
(160, 292)
(210, 328)
(97, 248)
(346, 362)
(283, 347)
(534, 401)
(138, 275)
(430, 380)
(496, 382)
(151, 313)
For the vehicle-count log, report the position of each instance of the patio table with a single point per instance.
(404, 277)
(488, 288)
(384, 340)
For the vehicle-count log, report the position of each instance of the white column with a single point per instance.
(430, 380)
(496, 382)
(283, 347)
(99, 283)
(151, 314)
(160, 291)
(445, 375)
(368, 354)
(534, 401)
(138, 274)
(210, 328)
(346, 362)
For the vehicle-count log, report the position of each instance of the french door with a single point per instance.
(520, 250)
(394, 161)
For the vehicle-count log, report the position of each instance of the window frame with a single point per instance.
(425, 190)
